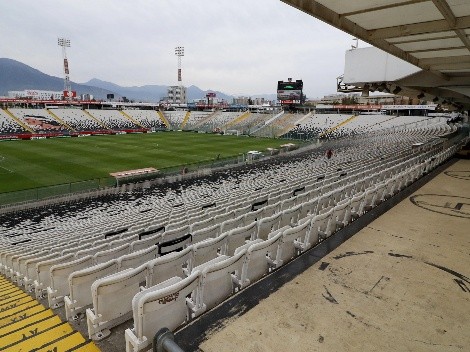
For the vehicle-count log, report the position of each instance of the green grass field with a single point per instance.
(45, 162)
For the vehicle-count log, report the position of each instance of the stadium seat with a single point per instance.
(137, 258)
(112, 300)
(164, 305)
(80, 281)
(261, 259)
(170, 265)
(220, 279)
(209, 249)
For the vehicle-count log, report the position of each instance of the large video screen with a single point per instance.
(289, 90)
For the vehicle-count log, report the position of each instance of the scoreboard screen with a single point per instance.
(289, 92)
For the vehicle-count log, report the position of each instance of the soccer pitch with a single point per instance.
(45, 162)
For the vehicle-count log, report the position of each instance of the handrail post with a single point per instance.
(164, 341)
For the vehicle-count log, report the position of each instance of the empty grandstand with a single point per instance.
(137, 259)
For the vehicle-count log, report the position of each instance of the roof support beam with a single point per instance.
(384, 7)
(418, 28)
(446, 11)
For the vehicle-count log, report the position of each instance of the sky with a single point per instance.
(240, 47)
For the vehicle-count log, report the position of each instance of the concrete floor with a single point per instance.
(401, 284)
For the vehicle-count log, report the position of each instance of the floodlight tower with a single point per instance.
(65, 43)
(179, 51)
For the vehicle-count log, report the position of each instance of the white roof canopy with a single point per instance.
(431, 34)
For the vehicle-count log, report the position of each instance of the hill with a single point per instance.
(15, 75)
(152, 93)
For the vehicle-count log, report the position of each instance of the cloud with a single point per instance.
(239, 47)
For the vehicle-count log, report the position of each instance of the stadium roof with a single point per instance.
(431, 34)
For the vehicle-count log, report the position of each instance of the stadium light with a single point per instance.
(179, 51)
(65, 43)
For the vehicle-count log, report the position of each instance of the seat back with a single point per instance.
(289, 238)
(229, 225)
(146, 242)
(201, 225)
(174, 245)
(170, 265)
(290, 216)
(209, 249)
(260, 260)
(112, 297)
(109, 254)
(43, 275)
(163, 305)
(267, 225)
(220, 279)
(92, 250)
(135, 259)
(238, 236)
(80, 282)
(208, 232)
(60, 275)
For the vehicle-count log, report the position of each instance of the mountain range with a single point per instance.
(15, 75)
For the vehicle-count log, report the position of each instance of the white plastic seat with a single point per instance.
(208, 232)
(220, 279)
(209, 249)
(196, 226)
(163, 305)
(261, 259)
(31, 272)
(290, 216)
(340, 212)
(146, 242)
(170, 265)
(92, 250)
(238, 237)
(356, 205)
(59, 279)
(252, 216)
(79, 287)
(322, 224)
(308, 208)
(112, 300)
(293, 241)
(268, 225)
(232, 224)
(270, 210)
(43, 275)
(109, 254)
(135, 259)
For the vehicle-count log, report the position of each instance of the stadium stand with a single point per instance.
(147, 119)
(171, 252)
(38, 120)
(8, 125)
(113, 119)
(78, 120)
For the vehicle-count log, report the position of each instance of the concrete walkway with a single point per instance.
(400, 284)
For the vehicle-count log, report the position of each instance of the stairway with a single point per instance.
(26, 325)
(238, 119)
(59, 120)
(130, 118)
(101, 123)
(185, 121)
(164, 119)
(342, 123)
